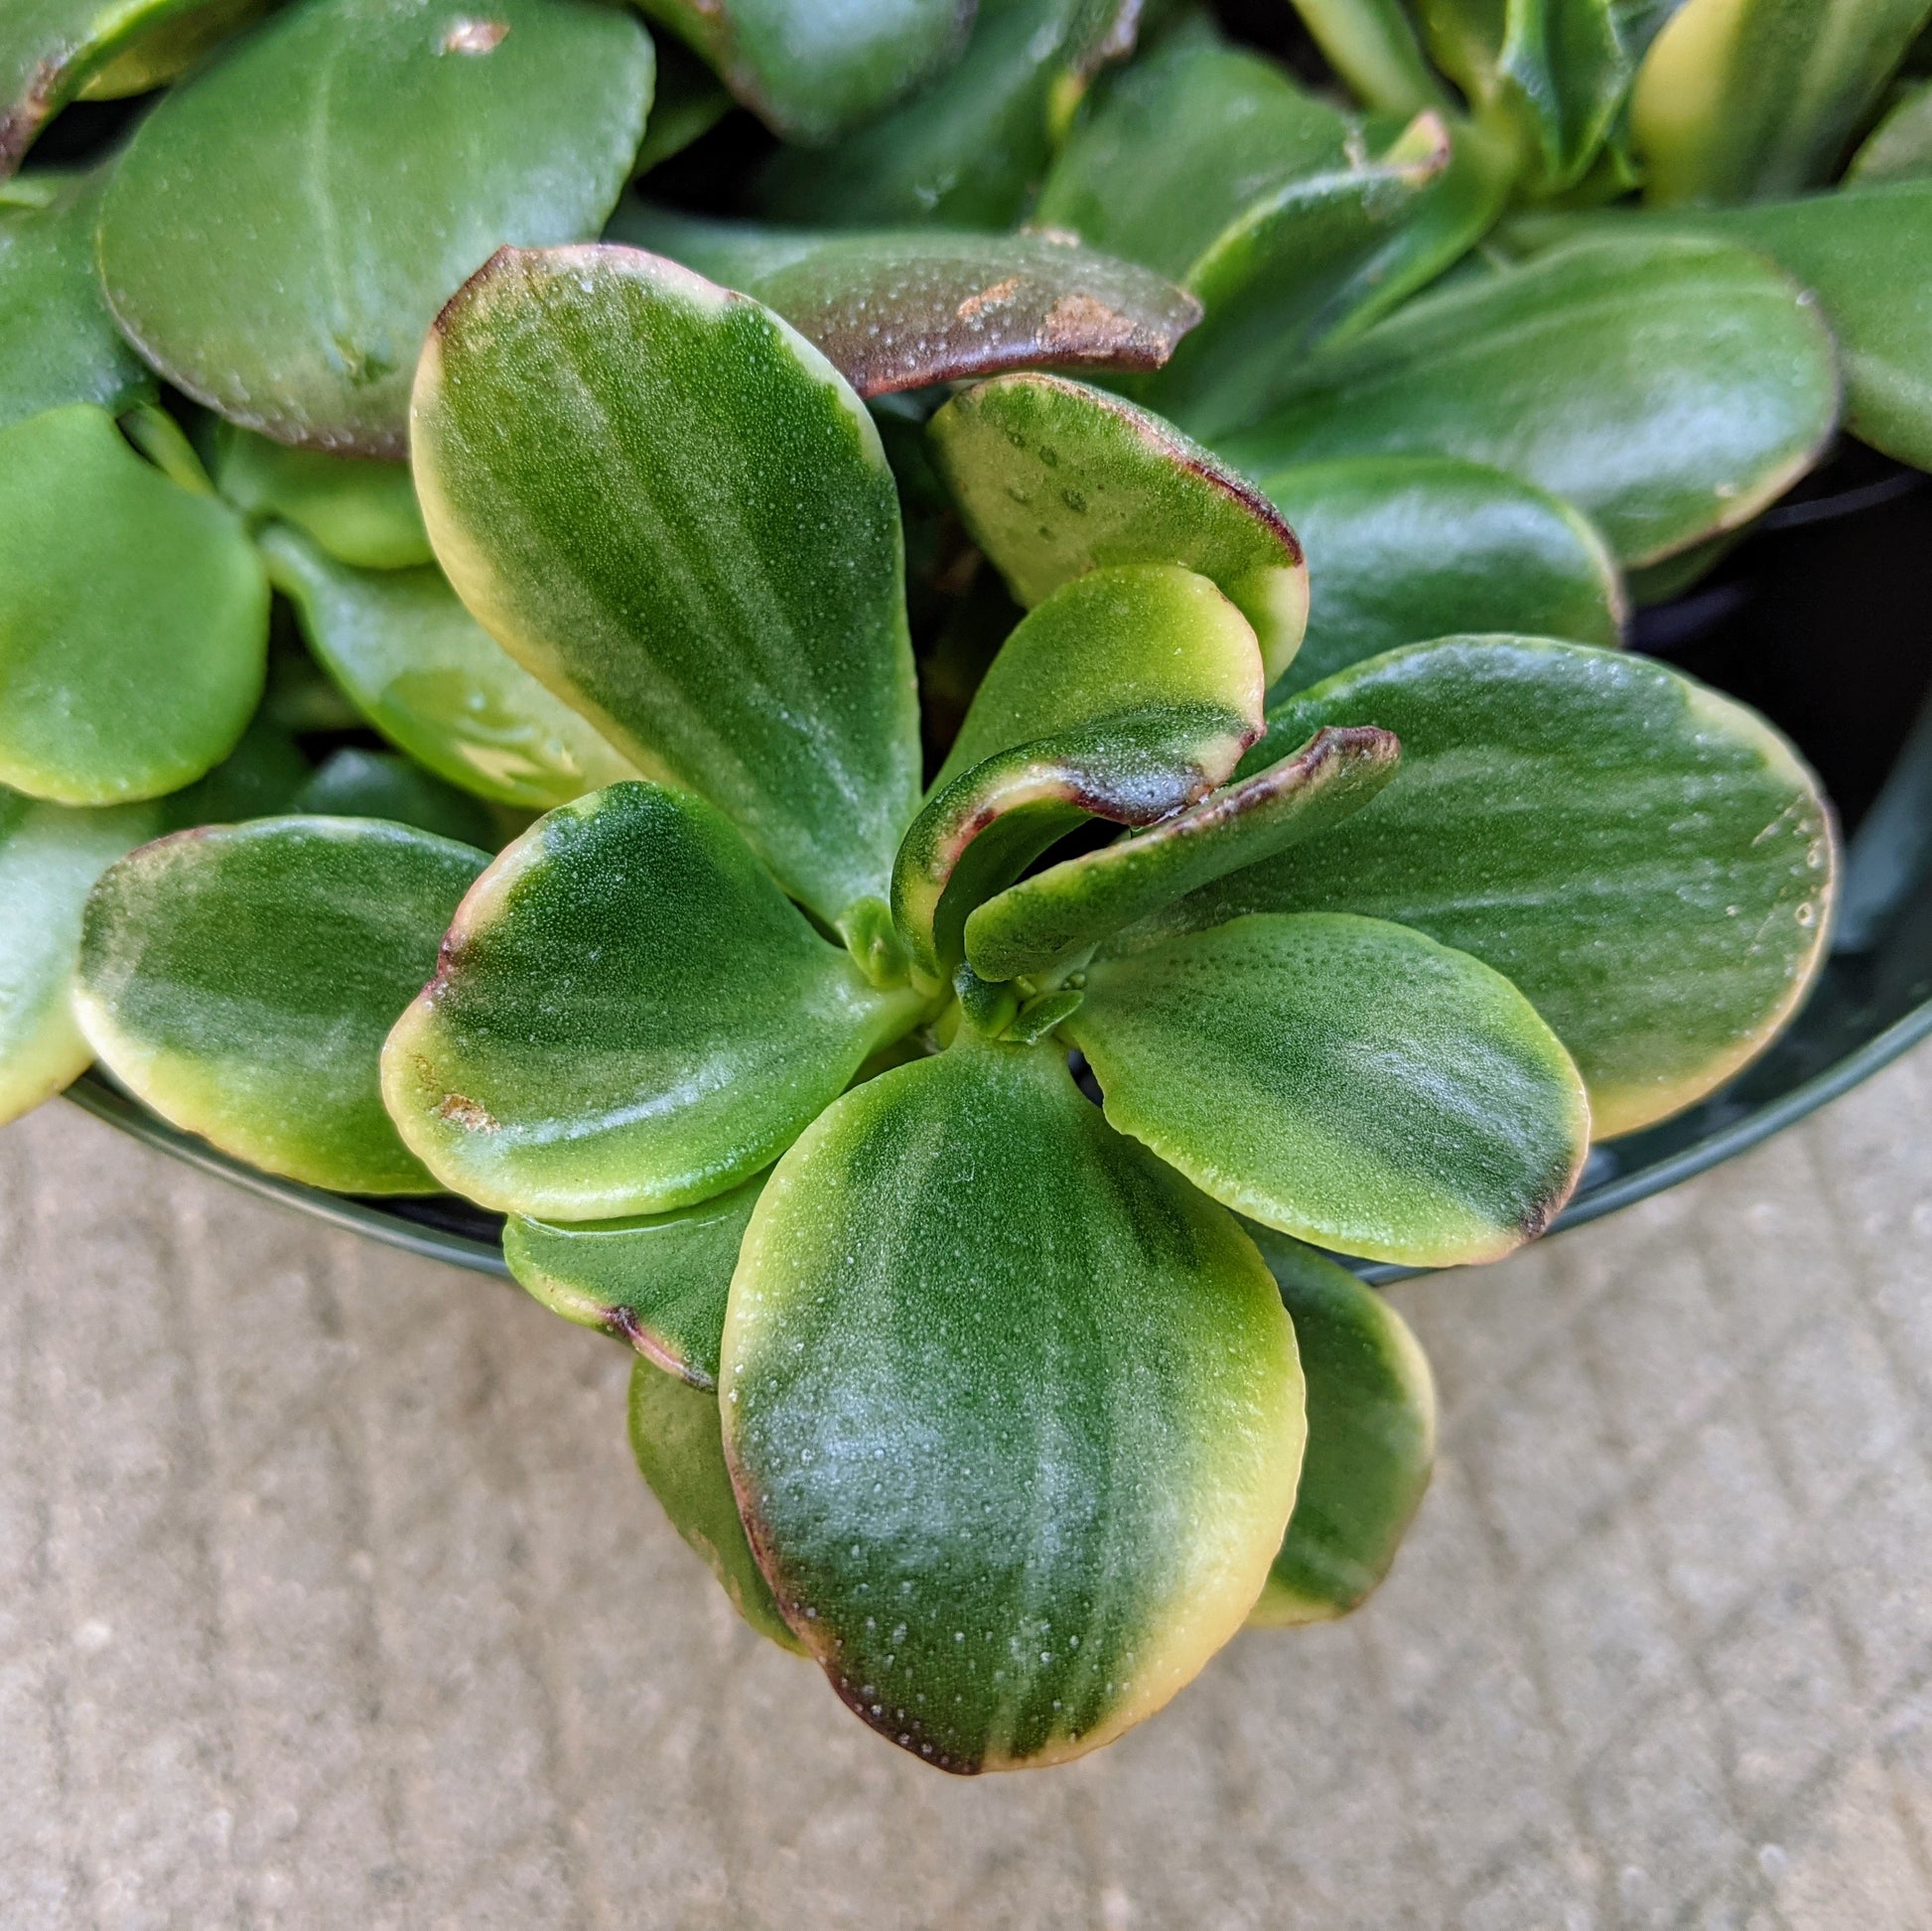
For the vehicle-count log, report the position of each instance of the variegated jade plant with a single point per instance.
(935, 892)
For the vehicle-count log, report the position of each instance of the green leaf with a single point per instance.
(165, 52)
(284, 226)
(357, 783)
(670, 507)
(659, 1281)
(49, 49)
(1669, 387)
(1344, 1080)
(239, 981)
(57, 343)
(1372, 45)
(812, 71)
(1055, 479)
(1550, 74)
(1044, 921)
(133, 618)
(1899, 148)
(627, 1017)
(676, 1437)
(1013, 1412)
(1371, 1439)
(359, 511)
(689, 101)
(969, 151)
(50, 857)
(257, 779)
(1406, 549)
(1646, 860)
(421, 669)
(903, 309)
(1741, 101)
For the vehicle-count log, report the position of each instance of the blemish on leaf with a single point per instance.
(988, 298)
(462, 1111)
(469, 36)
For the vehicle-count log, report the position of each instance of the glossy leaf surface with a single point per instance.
(426, 674)
(133, 618)
(1405, 548)
(627, 1017)
(658, 1279)
(354, 783)
(1053, 479)
(1371, 1403)
(1669, 387)
(1344, 1080)
(1741, 101)
(666, 504)
(1044, 921)
(1645, 859)
(1012, 1411)
(903, 309)
(1899, 148)
(50, 857)
(57, 343)
(811, 70)
(239, 981)
(358, 511)
(284, 226)
(676, 1437)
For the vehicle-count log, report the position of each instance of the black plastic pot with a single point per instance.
(1823, 620)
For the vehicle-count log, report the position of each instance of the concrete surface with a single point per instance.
(328, 1597)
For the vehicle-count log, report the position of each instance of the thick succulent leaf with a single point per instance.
(676, 1436)
(1899, 148)
(1054, 480)
(1344, 1080)
(359, 510)
(257, 779)
(133, 618)
(1372, 45)
(47, 50)
(903, 309)
(627, 1017)
(50, 857)
(163, 53)
(811, 70)
(239, 980)
(1738, 100)
(968, 152)
(1669, 386)
(669, 507)
(1407, 548)
(284, 225)
(426, 674)
(1646, 860)
(57, 343)
(1012, 1413)
(1551, 73)
(357, 783)
(1371, 1403)
(688, 101)
(1044, 921)
(658, 1279)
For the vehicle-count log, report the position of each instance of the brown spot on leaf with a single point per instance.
(988, 298)
(1082, 325)
(469, 36)
(462, 1111)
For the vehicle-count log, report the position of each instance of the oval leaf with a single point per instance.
(1042, 922)
(627, 1017)
(905, 308)
(361, 511)
(1054, 479)
(672, 510)
(1406, 549)
(426, 674)
(1013, 1412)
(1899, 148)
(50, 858)
(133, 618)
(1647, 861)
(239, 980)
(1669, 387)
(659, 1281)
(676, 1438)
(1371, 1439)
(1344, 1080)
(284, 226)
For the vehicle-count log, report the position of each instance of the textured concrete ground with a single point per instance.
(328, 1598)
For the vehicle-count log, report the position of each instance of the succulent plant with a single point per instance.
(942, 753)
